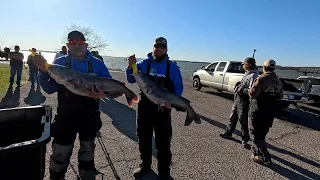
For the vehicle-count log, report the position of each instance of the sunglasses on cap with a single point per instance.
(160, 46)
(74, 42)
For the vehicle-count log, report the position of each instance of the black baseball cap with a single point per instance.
(161, 40)
(76, 35)
(249, 60)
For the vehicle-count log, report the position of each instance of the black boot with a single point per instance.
(57, 175)
(165, 177)
(226, 135)
(141, 171)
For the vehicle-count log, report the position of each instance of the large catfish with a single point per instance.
(79, 83)
(164, 98)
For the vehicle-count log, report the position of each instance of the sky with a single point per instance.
(287, 31)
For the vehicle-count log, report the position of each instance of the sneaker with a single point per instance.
(259, 159)
(226, 135)
(246, 145)
(256, 158)
(140, 172)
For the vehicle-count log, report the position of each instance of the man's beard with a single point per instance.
(159, 58)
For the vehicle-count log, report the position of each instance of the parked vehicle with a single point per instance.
(226, 75)
(314, 89)
(220, 75)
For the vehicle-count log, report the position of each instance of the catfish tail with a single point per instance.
(131, 97)
(192, 116)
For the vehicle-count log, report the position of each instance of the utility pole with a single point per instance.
(254, 51)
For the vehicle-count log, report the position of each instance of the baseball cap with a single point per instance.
(76, 35)
(269, 63)
(249, 60)
(161, 40)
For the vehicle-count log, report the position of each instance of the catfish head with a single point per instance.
(61, 73)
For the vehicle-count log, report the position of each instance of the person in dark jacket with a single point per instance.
(16, 66)
(75, 114)
(33, 69)
(96, 54)
(263, 95)
(240, 107)
(166, 74)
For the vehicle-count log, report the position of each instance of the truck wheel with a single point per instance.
(196, 84)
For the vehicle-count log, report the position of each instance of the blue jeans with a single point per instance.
(33, 72)
(13, 70)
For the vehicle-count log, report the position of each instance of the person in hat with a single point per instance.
(240, 107)
(166, 74)
(75, 114)
(263, 96)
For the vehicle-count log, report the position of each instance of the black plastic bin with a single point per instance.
(24, 133)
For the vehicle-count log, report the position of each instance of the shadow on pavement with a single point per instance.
(150, 176)
(299, 117)
(306, 174)
(126, 122)
(222, 94)
(35, 96)
(11, 99)
(294, 116)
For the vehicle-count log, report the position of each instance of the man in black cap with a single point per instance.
(241, 104)
(264, 93)
(166, 74)
(75, 114)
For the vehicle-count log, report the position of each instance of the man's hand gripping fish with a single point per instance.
(79, 83)
(163, 98)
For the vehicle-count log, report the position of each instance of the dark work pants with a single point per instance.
(64, 130)
(259, 127)
(239, 113)
(15, 69)
(33, 75)
(150, 118)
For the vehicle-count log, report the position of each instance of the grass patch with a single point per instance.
(5, 76)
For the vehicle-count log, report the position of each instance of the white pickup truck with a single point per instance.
(220, 75)
(226, 75)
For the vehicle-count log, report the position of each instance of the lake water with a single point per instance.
(186, 67)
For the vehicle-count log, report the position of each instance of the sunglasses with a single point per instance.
(74, 42)
(160, 46)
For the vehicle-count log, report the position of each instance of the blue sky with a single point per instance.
(197, 30)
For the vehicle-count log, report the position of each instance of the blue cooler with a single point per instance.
(24, 133)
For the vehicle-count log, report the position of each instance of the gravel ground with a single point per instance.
(198, 151)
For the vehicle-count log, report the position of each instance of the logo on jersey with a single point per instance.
(153, 73)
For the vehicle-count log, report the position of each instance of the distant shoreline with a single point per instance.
(201, 62)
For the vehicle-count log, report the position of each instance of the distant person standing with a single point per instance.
(63, 52)
(96, 54)
(16, 65)
(33, 69)
(240, 107)
(263, 95)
